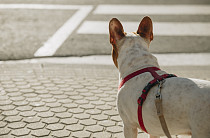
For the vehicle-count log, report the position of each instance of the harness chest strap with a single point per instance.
(157, 79)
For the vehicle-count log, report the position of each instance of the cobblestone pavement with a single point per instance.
(54, 100)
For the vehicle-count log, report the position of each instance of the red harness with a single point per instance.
(145, 91)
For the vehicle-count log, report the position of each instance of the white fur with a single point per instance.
(186, 102)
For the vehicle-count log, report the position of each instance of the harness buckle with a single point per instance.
(160, 84)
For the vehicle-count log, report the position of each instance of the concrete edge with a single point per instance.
(177, 59)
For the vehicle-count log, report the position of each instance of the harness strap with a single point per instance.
(157, 79)
(149, 69)
(144, 94)
(158, 104)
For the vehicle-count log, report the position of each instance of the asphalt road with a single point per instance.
(57, 27)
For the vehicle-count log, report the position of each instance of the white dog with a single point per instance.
(185, 102)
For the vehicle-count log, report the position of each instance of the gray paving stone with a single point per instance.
(104, 107)
(100, 117)
(64, 115)
(120, 124)
(12, 90)
(24, 108)
(81, 134)
(88, 94)
(94, 128)
(9, 86)
(40, 132)
(16, 125)
(35, 83)
(49, 100)
(82, 90)
(102, 135)
(91, 88)
(38, 87)
(81, 101)
(55, 127)
(20, 132)
(88, 122)
(53, 89)
(33, 119)
(103, 95)
(33, 99)
(93, 111)
(60, 97)
(11, 119)
(61, 133)
(115, 129)
(75, 127)
(42, 91)
(28, 113)
(4, 131)
(82, 116)
(20, 103)
(108, 99)
(7, 102)
(93, 98)
(10, 113)
(27, 90)
(111, 113)
(58, 109)
(76, 97)
(43, 96)
(116, 118)
(107, 123)
(97, 91)
(2, 124)
(41, 109)
(35, 126)
(51, 120)
(37, 104)
(46, 114)
(76, 110)
(13, 94)
(70, 105)
(63, 85)
(56, 92)
(97, 102)
(53, 104)
(113, 104)
(87, 106)
(69, 121)
(3, 98)
(121, 135)
(65, 101)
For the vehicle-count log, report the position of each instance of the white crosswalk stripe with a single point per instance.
(160, 28)
(153, 9)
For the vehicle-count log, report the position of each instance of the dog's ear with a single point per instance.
(145, 29)
(116, 33)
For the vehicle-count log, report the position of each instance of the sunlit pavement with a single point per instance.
(65, 100)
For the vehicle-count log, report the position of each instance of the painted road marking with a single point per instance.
(188, 59)
(53, 43)
(153, 9)
(42, 6)
(160, 28)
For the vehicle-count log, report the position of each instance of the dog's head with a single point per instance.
(117, 35)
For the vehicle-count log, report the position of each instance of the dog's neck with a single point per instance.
(134, 55)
